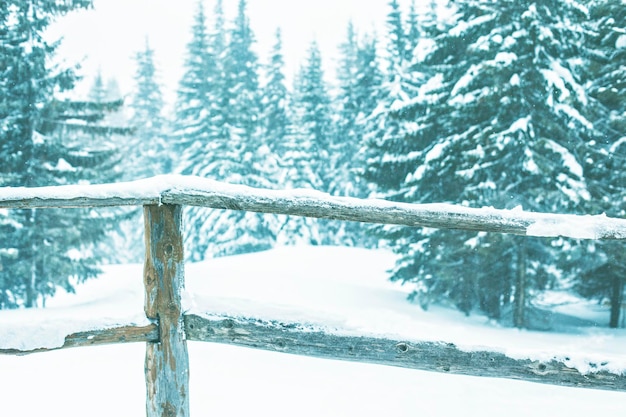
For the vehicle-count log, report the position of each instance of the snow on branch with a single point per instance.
(195, 191)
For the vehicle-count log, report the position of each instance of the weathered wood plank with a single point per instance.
(133, 193)
(309, 203)
(76, 202)
(125, 334)
(428, 356)
(183, 190)
(167, 361)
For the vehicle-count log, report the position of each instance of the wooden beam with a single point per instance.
(125, 334)
(310, 203)
(167, 361)
(427, 356)
(183, 190)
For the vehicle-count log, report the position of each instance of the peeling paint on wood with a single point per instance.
(167, 361)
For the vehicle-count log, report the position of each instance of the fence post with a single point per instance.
(167, 362)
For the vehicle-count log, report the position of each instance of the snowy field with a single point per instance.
(341, 288)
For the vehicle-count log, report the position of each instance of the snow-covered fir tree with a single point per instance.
(44, 141)
(276, 123)
(314, 102)
(498, 121)
(221, 133)
(309, 158)
(412, 31)
(359, 80)
(598, 268)
(384, 133)
(149, 152)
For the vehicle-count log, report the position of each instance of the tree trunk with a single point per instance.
(30, 299)
(520, 288)
(617, 297)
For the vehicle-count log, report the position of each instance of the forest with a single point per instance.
(478, 103)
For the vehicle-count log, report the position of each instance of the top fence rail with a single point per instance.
(196, 191)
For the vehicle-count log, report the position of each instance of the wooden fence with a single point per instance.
(167, 363)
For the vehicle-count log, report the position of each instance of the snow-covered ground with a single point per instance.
(341, 288)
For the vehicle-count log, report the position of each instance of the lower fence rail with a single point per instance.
(314, 341)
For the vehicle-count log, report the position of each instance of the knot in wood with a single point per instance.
(169, 410)
(402, 347)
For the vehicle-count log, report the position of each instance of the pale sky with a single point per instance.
(109, 36)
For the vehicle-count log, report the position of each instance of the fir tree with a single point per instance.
(241, 71)
(313, 102)
(384, 131)
(396, 37)
(149, 152)
(308, 154)
(413, 31)
(497, 122)
(44, 141)
(360, 79)
(218, 124)
(276, 122)
(598, 268)
(348, 139)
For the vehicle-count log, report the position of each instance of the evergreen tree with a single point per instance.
(313, 105)
(413, 31)
(196, 131)
(348, 139)
(499, 121)
(241, 71)
(218, 123)
(308, 155)
(149, 151)
(360, 79)
(98, 92)
(599, 268)
(396, 38)
(44, 141)
(384, 131)
(276, 122)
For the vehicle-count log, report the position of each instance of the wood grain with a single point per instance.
(427, 356)
(124, 334)
(167, 360)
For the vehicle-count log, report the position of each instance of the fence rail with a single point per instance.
(167, 363)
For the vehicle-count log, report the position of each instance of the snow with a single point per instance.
(560, 77)
(581, 230)
(114, 300)
(465, 80)
(425, 46)
(339, 288)
(464, 26)
(621, 141)
(573, 114)
(505, 58)
(568, 159)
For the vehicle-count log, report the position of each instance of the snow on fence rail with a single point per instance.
(167, 363)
